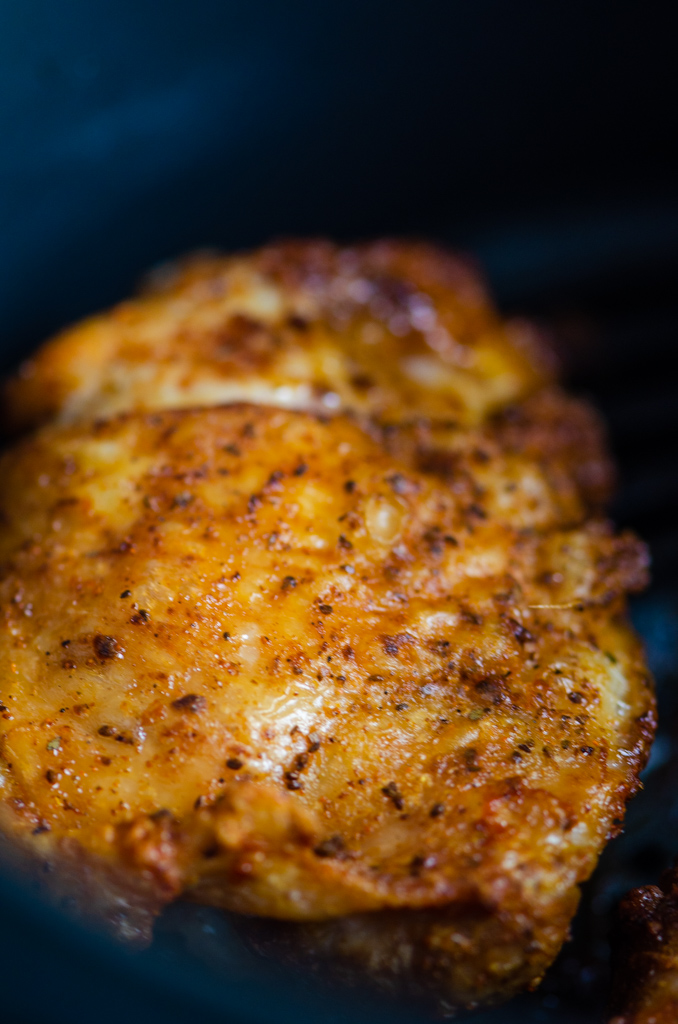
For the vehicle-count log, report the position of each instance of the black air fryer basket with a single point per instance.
(537, 136)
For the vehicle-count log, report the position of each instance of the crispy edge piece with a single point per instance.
(646, 977)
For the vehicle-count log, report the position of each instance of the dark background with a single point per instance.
(538, 133)
(131, 130)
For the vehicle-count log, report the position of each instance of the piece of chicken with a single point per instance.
(394, 329)
(376, 679)
(646, 980)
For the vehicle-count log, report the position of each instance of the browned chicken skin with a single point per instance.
(388, 329)
(646, 983)
(368, 672)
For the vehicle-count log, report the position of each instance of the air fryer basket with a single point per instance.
(536, 137)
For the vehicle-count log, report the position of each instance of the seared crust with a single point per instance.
(396, 330)
(646, 980)
(296, 669)
(566, 436)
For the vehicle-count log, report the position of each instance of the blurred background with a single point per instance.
(540, 136)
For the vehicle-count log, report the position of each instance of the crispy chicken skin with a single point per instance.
(391, 329)
(646, 983)
(304, 667)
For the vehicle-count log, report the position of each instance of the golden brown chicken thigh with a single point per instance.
(397, 330)
(302, 668)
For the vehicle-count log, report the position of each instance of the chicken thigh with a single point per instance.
(390, 329)
(378, 680)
